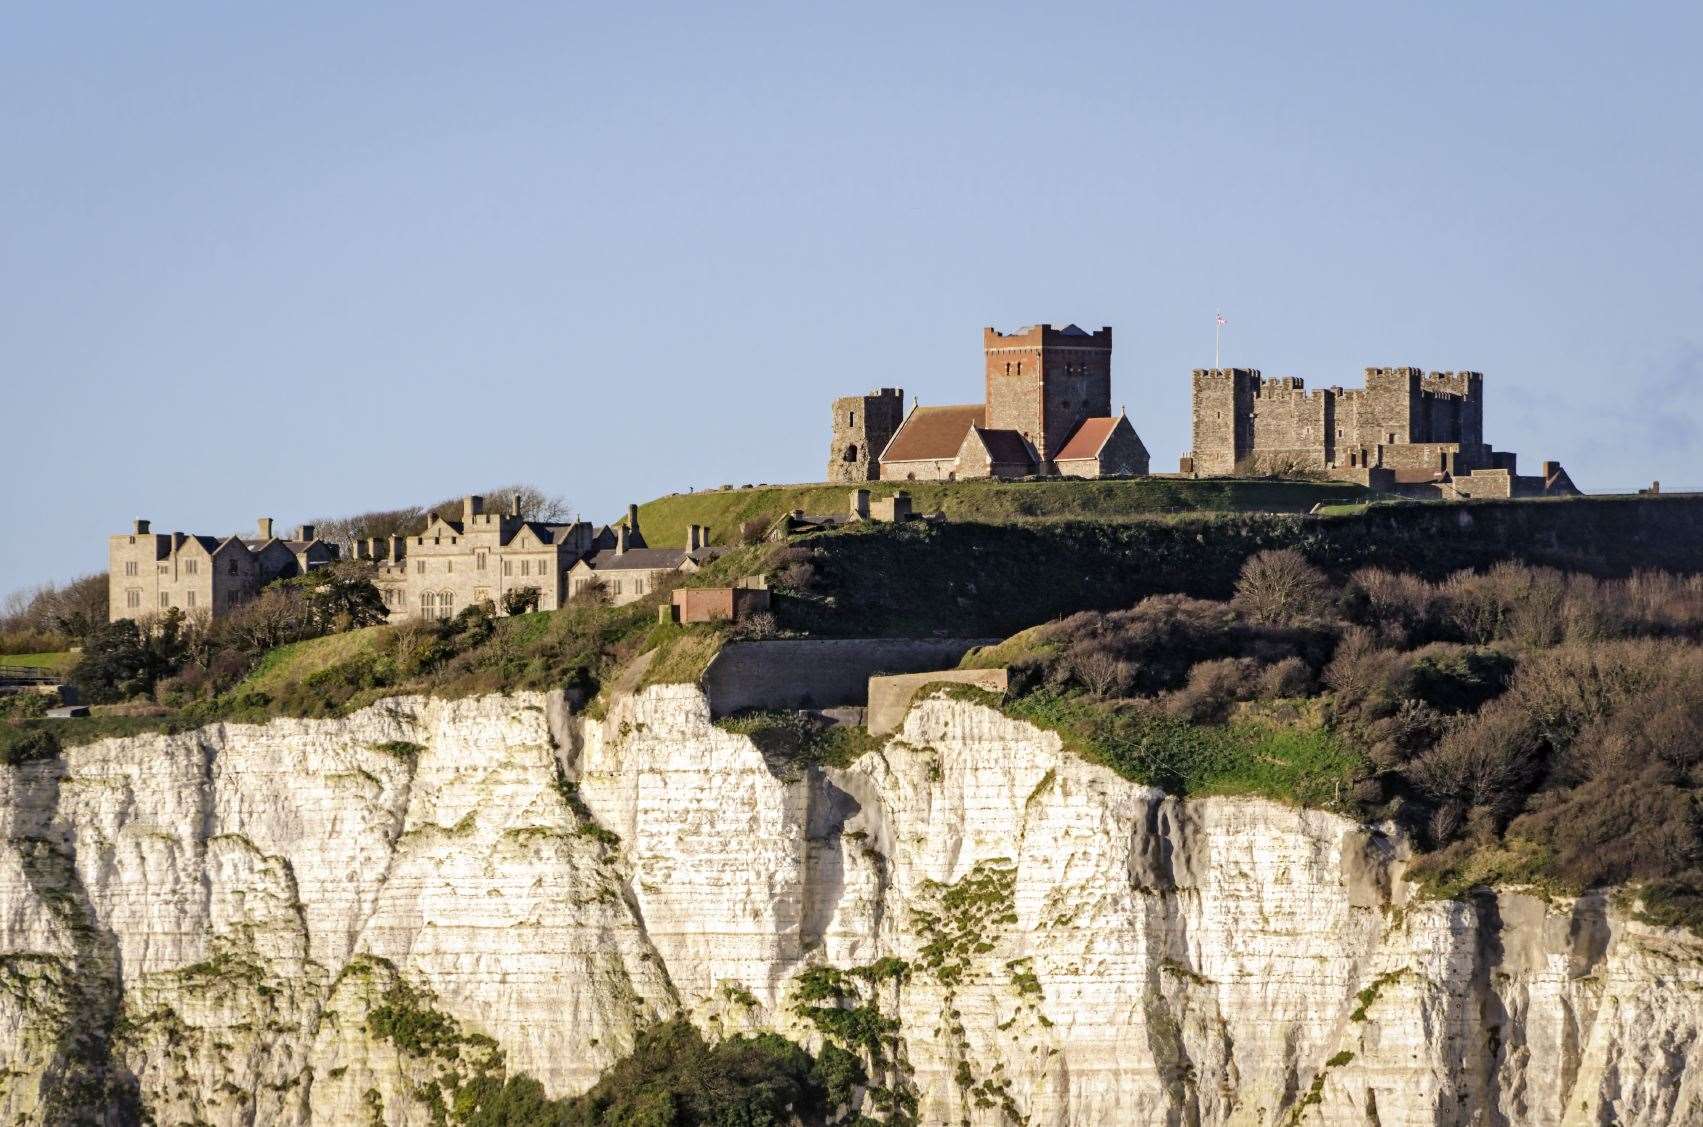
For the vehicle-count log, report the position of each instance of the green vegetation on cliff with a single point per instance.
(1524, 725)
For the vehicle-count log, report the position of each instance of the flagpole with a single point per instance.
(1217, 329)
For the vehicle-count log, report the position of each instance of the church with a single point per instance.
(1047, 412)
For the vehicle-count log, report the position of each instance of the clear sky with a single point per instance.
(305, 259)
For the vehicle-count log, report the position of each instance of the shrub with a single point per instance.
(521, 600)
(673, 1077)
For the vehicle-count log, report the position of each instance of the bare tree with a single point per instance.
(1278, 587)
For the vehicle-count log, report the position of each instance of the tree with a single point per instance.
(1279, 587)
(127, 658)
(535, 504)
(521, 600)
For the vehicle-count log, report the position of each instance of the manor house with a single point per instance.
(1406, 430)
(1047, 411)
(454, 564)
(153, 572)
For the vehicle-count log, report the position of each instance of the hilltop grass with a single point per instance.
(664, 520)
(59, 662)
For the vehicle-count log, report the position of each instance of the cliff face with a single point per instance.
(316, 921)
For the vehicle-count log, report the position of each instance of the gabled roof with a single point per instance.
(1005, 447)
(1074, 331)
(934, 432)
(1088, 438)
(647, 559)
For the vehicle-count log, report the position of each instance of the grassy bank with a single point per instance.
(665, 519)
(994, 579)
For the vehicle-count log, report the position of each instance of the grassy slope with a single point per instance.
(664, 520)
(61, 661)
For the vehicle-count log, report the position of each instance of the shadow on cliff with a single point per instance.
(84, 1084)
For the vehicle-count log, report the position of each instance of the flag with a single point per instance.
(1221, 320)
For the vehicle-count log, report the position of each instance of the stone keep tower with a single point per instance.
(1042, 382)
(863, 425)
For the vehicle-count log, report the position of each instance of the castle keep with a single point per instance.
(1406, 429)
(1047, 410)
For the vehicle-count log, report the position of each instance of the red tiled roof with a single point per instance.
(1085, 442)
(933, 432)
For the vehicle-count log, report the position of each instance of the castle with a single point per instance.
(1405, 431)
(1047, 411)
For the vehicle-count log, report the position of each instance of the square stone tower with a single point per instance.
(863, 425)
(1042, 382)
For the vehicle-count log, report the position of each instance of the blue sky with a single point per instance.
(305, 259)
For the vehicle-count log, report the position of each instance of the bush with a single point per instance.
(673, 1078)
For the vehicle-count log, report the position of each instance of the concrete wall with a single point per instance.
(819, 673)
(890, 697)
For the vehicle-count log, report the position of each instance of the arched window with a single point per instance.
(851, 453)
(446, 604)
(428, 605)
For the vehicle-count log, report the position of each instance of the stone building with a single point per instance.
(862, 427)
(1047, 392)
(1405, 429)
(627, 568)
(455, 564)
(152, 572)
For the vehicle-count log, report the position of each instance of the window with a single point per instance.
(191, 600)
(232, 569)
(420, 567)
(165, 599)
(446, 604)
(851, 453)
(638, 586)
(526, 567)
(130, 568)
(133, 599)
(508, 567)
(191, 567)
(479, 561)
(615, 587)
(851, 418)
(428, 605)
(449, 565)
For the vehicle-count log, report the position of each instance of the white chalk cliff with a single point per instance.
(213, 927)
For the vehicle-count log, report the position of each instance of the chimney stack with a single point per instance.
(398, 548)
(141, 527)
(471, 506)
(514, 505)
(264, 527)
(633, 518)
(305, 532)
(620, 539)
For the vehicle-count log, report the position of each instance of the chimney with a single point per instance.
(305, 532)
(633, 518)
(471, 506)
(141, 527)
(860, 504)
(692, 544)
(620, 539)
(264, 527)
(398, 548)
(514, 505)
